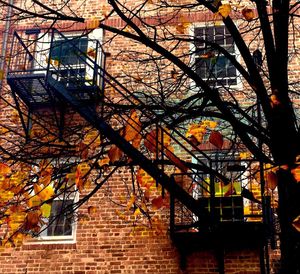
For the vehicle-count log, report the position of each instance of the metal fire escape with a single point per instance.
(205, 211)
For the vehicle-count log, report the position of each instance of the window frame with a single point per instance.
(193, 49)
(62, 239)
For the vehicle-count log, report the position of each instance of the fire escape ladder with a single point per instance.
(91, 116)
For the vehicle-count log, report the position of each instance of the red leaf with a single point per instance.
(157, 203)
(115, 154)
(216, 138)
(150, 141)
(272, 180)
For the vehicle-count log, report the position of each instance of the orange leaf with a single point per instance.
(296, 173)
(92, 210)
(274, 100)
(157, 203)
(224, 10)
(92, 24)
(91, 52)
(272, 180)
(4, 169)
(153, 143)
(296, 223)
(216, 138)
(248, 14)
(133, 126)
(115, 154)
(207, 55)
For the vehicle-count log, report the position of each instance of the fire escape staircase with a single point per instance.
(194, 220)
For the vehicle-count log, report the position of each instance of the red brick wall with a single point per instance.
(105, 244)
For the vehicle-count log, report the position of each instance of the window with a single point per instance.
(60, 226)
(69, 64)
(211, 65)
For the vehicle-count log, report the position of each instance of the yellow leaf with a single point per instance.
(46, 210)
(46, 193)
(130, 201)
(224, 10)
(137, 212)
(92, 23)
(33, 201)
(296, 173)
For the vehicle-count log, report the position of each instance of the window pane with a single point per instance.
(66, 51)
(217, 70)
(60, 224)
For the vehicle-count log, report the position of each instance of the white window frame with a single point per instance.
(43, 48)
(63, 239)
(239, 84)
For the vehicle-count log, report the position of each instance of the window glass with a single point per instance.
(211, 65)
(60, 222)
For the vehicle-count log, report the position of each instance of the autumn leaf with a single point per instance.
(80, 176)
(157, 203)
(33, 201)
(216, 138)
(46, 193)
(224, 10)
(296, 173)
(274, 100)
(130, 201)
(296, 223)
(272, 180)
(115, 154)
(137, 212)
(133, 126)
(92, 23)
(207, 55)
(32, 219)
(248, 14)
(46, 210)
(4, 169)
(155, 138)
(91, 53)
(92, 210)
(92, 137)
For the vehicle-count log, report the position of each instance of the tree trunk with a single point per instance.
(289, 209)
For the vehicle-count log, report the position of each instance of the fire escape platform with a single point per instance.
(37, 93)
(225, 234)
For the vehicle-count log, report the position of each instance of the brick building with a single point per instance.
(107, 233)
